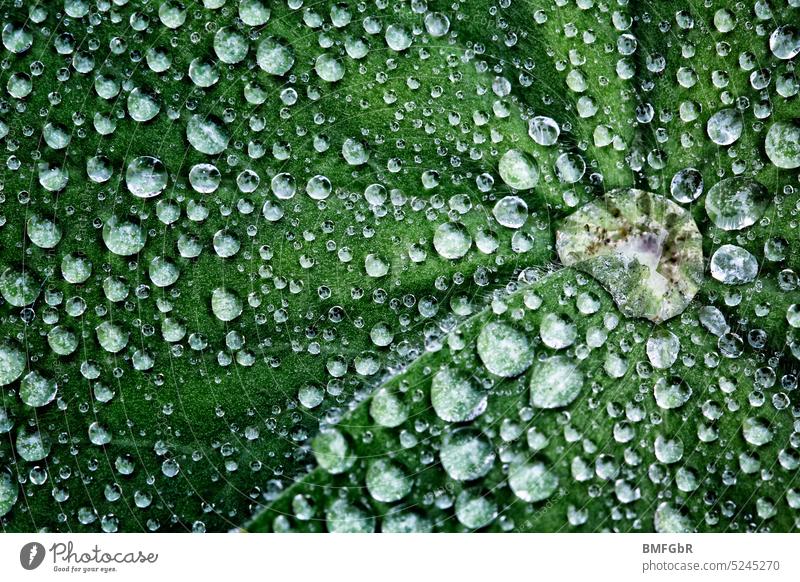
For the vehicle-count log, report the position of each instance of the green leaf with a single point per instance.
(204, 386)
(236, 233)
(610, 416)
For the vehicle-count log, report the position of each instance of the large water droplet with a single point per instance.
(782, 144)
(123, 237)
(555, 382)
(543, 130)
(332, 452)
(111, 337)
(474, 509)
(451, 240)
(19, 288)
(784, 42)
(686, 185)
(672, 392)
(532, 481)
(644, 249)
(663, 347)
(557, 331)
(456, 398)
(12, 362)
(668, 519)
(510, 211)
(733, 265)
(8, 491)
(518, 170)
(207, 135)
(275, 56)
(725, 126)
(36, 390)
(386, 481)
(504, 350)
(146, 177)
(32, 446)
(225, 304)
(757, 431)
(736, 203)
(466, 454)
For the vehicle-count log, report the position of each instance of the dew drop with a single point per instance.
(733, 265)
(555, 382)
(504, 350)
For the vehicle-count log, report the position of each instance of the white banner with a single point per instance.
(352, 558)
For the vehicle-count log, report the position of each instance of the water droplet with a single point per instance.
(725, 127)
(518, 170)
(668, 519)
(532, 481)
(19, 288)
(451, 240)
(230, 45)
(686, 185)
(663, 347)
(668, 450)
(557, 331)
(329, 68)
(570, 167)
(736, 203)
(111, 337)
(146, 177)
(782, 145)
(275, 56)
(36, 390)
(475, 509)
(43, 232)
(733, 265)
(9, 491)
(644, 249)
(386, 481)
(98, 434)
(757, 431)
(555, 382)
(672, 392)
(207, 135)
(456, 398)
(123, 237)
(387, 408)
(466, 454)
(543, 130)
(504, 350)
(376, 266)
(784, 42)
(510, 211)
(32, 446)
(225, 304)
(332, 452)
